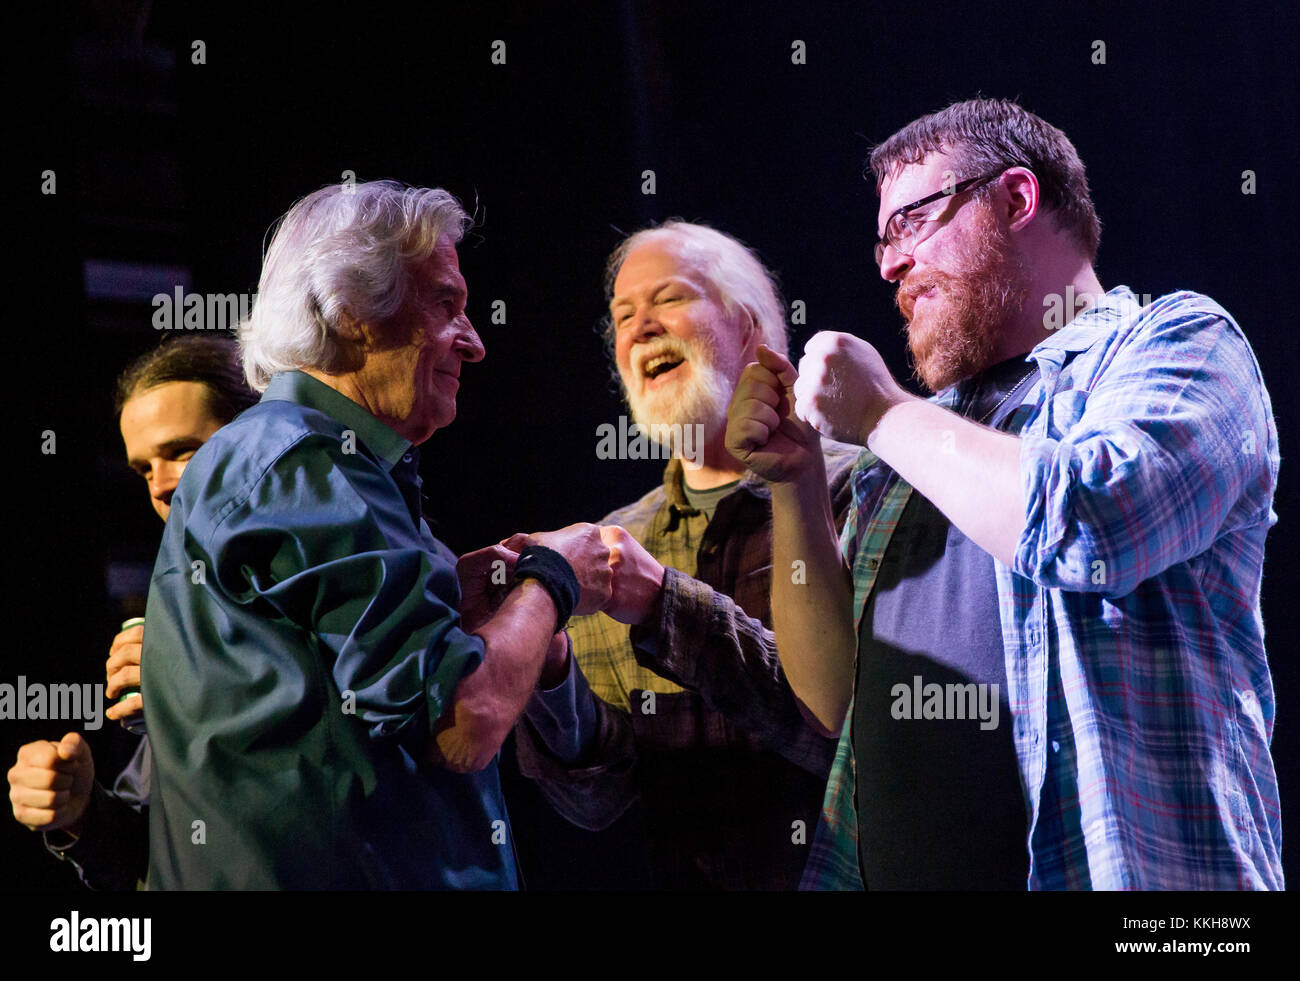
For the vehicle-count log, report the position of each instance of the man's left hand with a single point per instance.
(844, 387)
(123, 672)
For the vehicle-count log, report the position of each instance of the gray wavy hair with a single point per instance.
(345, 251)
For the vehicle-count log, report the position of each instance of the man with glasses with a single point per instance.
(1046, 666)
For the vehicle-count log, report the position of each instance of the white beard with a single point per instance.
(702, 399)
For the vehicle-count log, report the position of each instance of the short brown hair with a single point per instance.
(984, 135)
(211, 360)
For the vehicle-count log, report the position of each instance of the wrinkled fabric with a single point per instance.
(1137, 677)
(301, 642)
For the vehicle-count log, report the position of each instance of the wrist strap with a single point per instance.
(553, 571)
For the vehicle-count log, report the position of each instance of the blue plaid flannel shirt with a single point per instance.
(1139, 687)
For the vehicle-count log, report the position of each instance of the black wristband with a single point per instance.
(553, 571)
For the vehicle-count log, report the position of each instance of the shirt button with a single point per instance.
(873, 563)
(406, 458)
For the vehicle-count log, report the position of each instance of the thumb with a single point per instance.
(72, 747)
(515, 543)
(786, 375)
(778, 364)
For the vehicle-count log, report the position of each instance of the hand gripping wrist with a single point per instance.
(553, 571)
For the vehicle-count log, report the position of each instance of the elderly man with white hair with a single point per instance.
(321, 714)
(693, 715)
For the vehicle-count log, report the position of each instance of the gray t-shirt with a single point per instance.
(938, 785)
(707, 500)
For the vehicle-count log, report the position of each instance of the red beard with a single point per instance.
(956, 333)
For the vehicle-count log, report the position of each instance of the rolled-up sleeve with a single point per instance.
(1168, 449)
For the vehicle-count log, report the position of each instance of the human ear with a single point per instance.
(1019, 194)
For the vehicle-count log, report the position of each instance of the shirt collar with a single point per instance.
(1092, 325)
(1097, 322)
(302, 388)
(674, 487)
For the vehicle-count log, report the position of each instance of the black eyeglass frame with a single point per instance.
(951, 191)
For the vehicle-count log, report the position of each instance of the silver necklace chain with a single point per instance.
(1011, 391)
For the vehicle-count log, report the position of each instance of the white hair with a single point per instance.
(741, 278)
(345, 251)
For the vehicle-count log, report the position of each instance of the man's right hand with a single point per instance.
(123, 672)
(763, 432)
(50, 784)
(584, 549)
(518, 644)
(485, 577)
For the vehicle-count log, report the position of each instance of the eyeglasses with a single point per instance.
(903, 228)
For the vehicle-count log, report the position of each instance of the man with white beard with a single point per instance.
(693, 713)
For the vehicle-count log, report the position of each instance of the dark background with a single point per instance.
(164, 163)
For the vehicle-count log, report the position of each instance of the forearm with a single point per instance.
(812, 598)
(702, 639)
(562, 707)
(969, 472)
(490, 699)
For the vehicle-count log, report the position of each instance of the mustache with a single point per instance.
(909, 292)
(664, 345)
(913, 289)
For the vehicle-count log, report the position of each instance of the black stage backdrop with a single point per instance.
(177, 135)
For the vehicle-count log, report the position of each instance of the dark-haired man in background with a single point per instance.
(168, 402)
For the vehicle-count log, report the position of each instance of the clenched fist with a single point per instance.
(50, 784)
(843, 387)
(638, 577)
(584, 549)
(763, 432)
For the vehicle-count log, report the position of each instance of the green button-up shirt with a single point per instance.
(301, 641)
